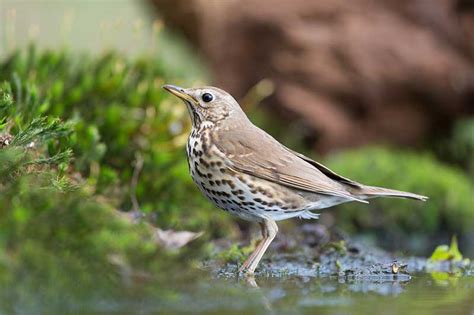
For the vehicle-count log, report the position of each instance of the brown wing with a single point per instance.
(252, 151)
(326, 171)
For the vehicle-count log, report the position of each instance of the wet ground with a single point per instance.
(340, 280)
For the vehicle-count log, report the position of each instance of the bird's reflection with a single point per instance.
(251, 282)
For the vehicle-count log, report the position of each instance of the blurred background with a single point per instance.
(379, 91)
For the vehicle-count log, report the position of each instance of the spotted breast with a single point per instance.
(243, 195)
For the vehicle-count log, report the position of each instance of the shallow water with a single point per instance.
(281, 287)
(286, 295)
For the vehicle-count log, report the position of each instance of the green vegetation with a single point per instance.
(118, 115)
(445, 252)
(52, 221)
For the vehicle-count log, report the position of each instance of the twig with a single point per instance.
(133, 185)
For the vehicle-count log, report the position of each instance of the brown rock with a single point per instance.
(357, 71)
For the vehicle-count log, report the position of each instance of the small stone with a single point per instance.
(395, 267)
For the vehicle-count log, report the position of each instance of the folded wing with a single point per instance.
(254, 152)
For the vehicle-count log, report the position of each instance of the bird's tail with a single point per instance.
(372, 192)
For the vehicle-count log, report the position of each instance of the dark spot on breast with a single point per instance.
(211, 182)
(222, 170)
(199, 173)
(241, 197)
(218, 182)
(201, 160)
(209, 175)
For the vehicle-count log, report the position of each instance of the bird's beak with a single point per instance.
(180, 92)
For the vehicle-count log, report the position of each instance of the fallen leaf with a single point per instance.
(175, 239)
(169, 239)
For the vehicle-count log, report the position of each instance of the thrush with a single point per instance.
(246, 172)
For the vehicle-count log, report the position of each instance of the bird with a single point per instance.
(245, 171)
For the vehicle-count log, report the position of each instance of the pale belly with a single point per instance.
(241, 194)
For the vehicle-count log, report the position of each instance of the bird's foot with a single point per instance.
(244, 269)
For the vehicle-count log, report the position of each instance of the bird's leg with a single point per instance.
(269, 231)
(247, 262)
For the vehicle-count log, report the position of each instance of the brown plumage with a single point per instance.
(245, 171)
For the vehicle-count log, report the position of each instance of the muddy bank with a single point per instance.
(332, 255)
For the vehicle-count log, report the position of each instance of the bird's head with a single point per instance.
(207, 103)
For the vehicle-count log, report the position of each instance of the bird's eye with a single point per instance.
(207, 97)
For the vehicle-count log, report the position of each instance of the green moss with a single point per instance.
(236, 253)
(46, 219)
(77, 126)
(119, 112)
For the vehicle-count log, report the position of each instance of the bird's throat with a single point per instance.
(195, 118)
